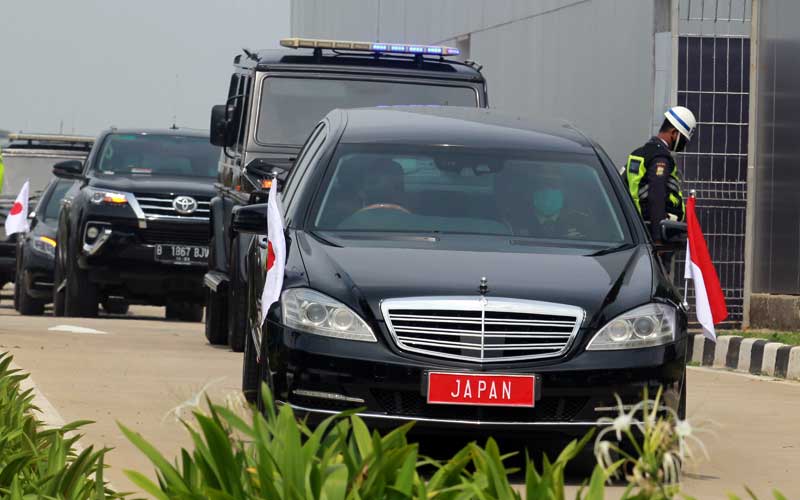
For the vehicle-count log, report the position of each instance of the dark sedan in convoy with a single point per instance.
(462, 268)
(36, 252)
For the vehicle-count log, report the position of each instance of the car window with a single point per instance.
(290, 106)
(528, 194)
(306, 157)
(50, 211)
(154, 154)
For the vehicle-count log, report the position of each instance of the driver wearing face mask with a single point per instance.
(651, 174)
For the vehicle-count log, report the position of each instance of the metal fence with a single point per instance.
(714, 82)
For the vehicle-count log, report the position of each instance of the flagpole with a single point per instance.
(692, 194)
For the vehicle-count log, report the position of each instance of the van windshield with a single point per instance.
(290, 107)
(155, 154)
(430, 189)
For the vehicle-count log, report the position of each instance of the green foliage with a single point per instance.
(42, 463)
(275, 456)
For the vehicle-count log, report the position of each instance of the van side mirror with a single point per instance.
(673, 235)
(69, 169)
(220, 130)
(250, 219)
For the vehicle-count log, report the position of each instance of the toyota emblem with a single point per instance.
(184, 205)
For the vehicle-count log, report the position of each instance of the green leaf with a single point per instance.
(146, 484)
(164, 468)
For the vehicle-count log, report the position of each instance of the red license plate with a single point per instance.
(481, 390)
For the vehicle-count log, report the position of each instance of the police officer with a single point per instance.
(651, 175)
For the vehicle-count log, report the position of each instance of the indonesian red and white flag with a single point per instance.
(276, 252)
(710, 305)
(17, 220)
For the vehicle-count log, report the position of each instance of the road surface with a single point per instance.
(136, 369)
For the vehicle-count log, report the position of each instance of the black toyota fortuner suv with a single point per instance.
(135, 226)
(274, 99)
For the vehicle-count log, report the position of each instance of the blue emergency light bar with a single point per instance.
(389, 48)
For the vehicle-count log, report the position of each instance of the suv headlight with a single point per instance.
(44, 245)
(100, 196)
(646, 326)
(313, 312)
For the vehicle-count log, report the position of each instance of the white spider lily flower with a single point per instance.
(621, 423)
(671, 466)
(602, 452)
(687, 435)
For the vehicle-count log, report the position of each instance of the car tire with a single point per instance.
(250, 370)
(184, 311)
(116, 306)
(216, 313)
(682, 403)
(58, 295)
(237, 303)
(26, 305)
(80, 294)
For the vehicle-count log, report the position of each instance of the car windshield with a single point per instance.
(527, 194)
(290, 107)
(154, 154)
(51, 209)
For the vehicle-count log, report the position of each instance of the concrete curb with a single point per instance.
(755, 356)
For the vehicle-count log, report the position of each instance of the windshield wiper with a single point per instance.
(618, 248)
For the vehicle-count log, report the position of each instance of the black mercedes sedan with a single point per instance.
(462, 268)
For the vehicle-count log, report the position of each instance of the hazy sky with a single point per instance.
(129, 63)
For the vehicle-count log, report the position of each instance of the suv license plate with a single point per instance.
(181, 254)
(481, 389)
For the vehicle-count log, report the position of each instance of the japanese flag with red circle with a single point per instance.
(276, 252)
(17, 220)
(710, 305)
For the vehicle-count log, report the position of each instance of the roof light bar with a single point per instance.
(380, 47)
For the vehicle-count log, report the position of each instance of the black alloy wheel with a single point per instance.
(58, 290)
(26, 305)
(237, 302)
(80, 293)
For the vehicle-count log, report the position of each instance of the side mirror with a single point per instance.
(220, 134)
(251, 219)
(69, 169)
(673, 235)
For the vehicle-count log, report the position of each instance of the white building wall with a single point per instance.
(589, 62)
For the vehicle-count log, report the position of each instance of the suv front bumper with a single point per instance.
(122, 260)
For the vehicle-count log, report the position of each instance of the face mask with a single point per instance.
(548, 202)
(680, 144)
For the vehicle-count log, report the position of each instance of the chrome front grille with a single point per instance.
(160, 206)
(485, 330)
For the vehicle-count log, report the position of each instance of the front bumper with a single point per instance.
(122, 260)
(318, 376)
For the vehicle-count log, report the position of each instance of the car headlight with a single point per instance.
(646, 326)
(313, 312)
(100, 196)
(45, 245)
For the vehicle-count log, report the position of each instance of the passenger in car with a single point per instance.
(552, 218)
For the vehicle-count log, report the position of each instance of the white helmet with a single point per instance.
(683, 120)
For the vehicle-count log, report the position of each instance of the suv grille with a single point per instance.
(483, 330)
(160, 206)
(161, 236)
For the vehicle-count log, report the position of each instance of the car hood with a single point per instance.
(362, 271)
(202, 186)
